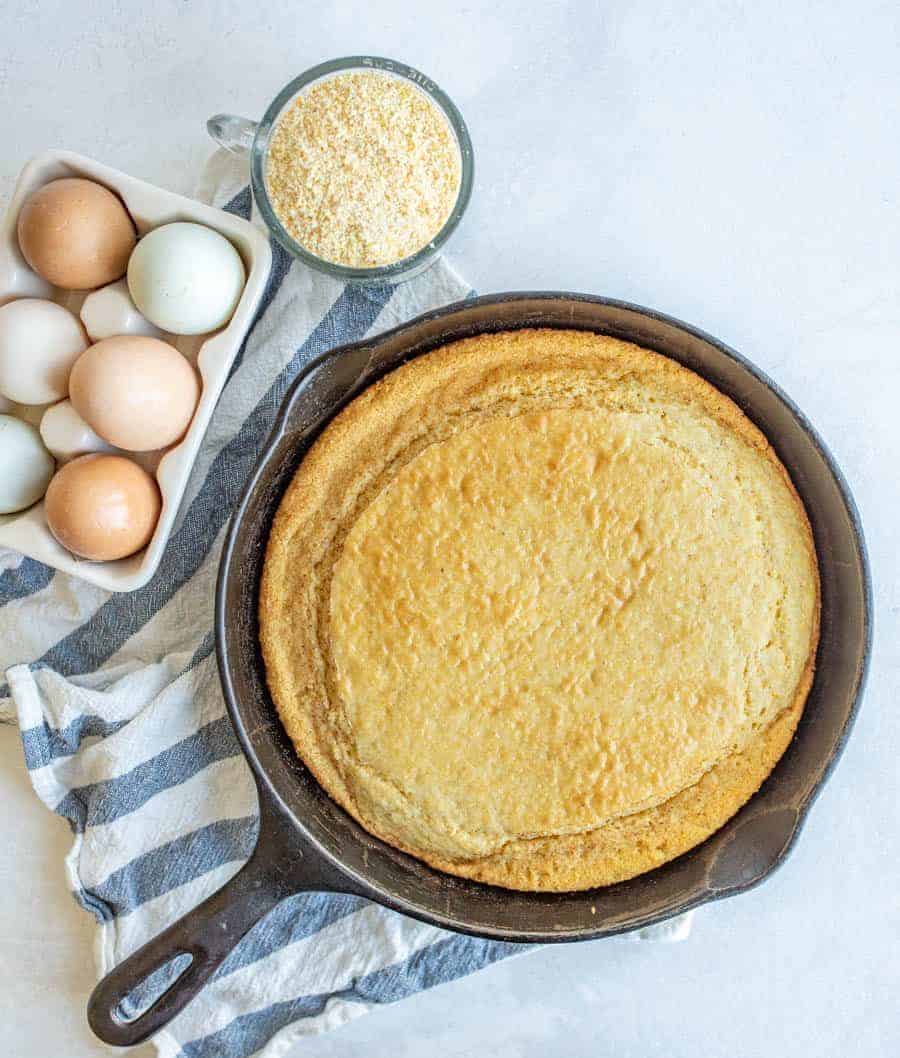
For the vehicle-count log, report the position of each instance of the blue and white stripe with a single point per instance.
(125, 734)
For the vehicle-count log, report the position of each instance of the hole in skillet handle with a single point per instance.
(205, 936)
(152, 988)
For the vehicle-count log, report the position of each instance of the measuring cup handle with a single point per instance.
(233, 133)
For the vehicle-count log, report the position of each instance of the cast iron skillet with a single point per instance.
(306, 842)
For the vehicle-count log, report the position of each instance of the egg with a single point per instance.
(186, 278)
(110, 311)
(102, 507)
(25, 465)
(39, 343)
(137, 393)
(66, 434)
(76, 234)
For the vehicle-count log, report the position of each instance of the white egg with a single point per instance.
(110, 311)
(67, 435)
(186, 278)
(26, 466)
(39, 343)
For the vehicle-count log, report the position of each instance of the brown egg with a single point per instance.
(102, 507)
(137, 393)
(76, 234)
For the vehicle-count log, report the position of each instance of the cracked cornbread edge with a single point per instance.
(367, 435)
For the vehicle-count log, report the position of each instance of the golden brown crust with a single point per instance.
(350, 466)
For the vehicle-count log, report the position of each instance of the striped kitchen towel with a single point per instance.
(125, 733)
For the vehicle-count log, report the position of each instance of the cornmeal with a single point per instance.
(541, 609)
(363, 169)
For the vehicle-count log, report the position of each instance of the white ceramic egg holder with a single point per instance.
(212, 354)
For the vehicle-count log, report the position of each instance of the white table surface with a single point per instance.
(737, 165)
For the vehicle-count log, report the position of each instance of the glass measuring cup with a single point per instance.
(251, 139)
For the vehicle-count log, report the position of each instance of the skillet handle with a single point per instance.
(207, 934)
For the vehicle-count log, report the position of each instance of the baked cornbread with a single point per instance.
(541, 609)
